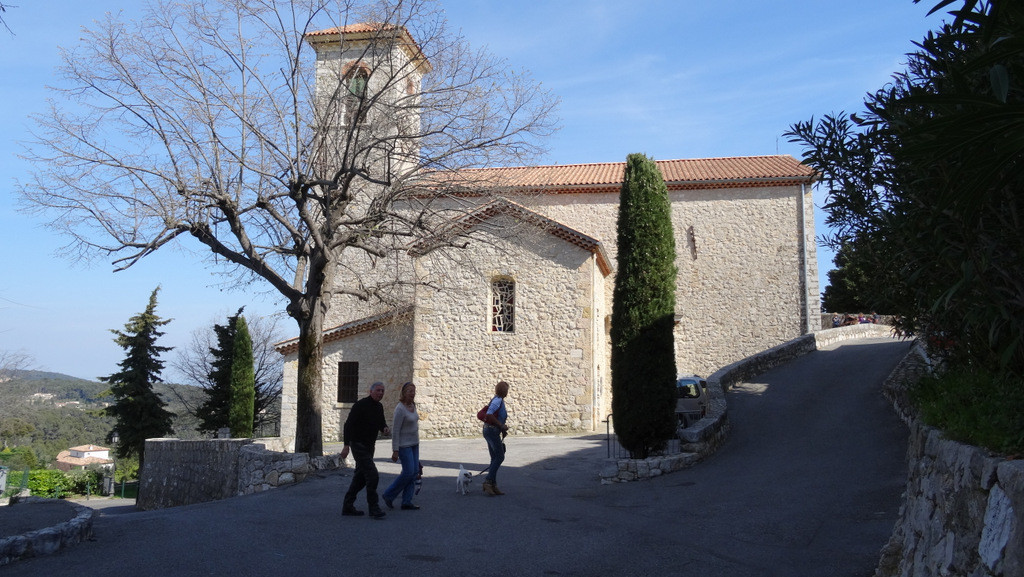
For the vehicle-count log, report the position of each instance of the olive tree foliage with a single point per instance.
(206, 362)
(929, 178)
(643, 361)
(197, 126)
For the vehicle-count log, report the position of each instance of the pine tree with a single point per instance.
(243, 382)
(139, 412)
(643, 312)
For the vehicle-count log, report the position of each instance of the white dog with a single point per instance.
(463, 481)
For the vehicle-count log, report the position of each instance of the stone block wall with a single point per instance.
(549, 359)
(180, 472)
(185, 472)
(963, 510)
(47, 540)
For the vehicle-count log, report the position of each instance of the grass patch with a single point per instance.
(976, 407)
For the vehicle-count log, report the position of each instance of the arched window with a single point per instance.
(503, 305)
(355, 107)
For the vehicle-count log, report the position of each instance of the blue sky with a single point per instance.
(669, 78)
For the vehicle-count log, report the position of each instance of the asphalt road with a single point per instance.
(807, 484)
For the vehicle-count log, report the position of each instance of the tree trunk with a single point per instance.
(309, 421)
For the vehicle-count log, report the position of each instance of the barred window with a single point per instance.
(348, 382)
(503, 305)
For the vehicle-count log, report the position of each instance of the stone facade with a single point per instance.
(740, 256)
(181, 472)
(553, 359)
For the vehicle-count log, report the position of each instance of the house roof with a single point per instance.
(88, 448)
(369, 31)
(506, 207)
(348, 329)
(65, 457)
(680, 174)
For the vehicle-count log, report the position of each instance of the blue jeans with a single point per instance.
(497, 450)
(405, 483)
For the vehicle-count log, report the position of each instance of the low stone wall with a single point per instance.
(704, 437)
(181, 472)
(963, 510)
(48, 540)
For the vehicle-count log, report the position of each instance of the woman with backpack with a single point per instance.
(495, 430)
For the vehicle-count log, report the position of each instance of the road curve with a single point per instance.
(807, 484)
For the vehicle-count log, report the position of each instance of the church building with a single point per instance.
(531, 304)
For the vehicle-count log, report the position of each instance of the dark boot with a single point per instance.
(350, 511)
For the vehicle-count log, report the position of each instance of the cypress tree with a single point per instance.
(139, 412)
(243, 382)
(643, 367)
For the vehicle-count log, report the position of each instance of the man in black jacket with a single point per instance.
(364, 421)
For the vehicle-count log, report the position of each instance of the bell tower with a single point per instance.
(367, 99)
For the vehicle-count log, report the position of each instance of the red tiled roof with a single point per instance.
(348, 329)
(65, 458)
(353, 29)
(370, 31)
(682, 174)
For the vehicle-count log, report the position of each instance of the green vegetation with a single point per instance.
(926, 185)
(209, 363)
(981, 408)
(643, 366)
(243, 382)
(845, 292)
(139, 412)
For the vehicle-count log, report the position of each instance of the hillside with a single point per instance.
(50, 412)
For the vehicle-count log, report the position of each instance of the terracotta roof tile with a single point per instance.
(369, 31)
(679, 174)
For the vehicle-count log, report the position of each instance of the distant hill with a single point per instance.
(65, 411)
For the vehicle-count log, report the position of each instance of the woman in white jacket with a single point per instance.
(405, 445)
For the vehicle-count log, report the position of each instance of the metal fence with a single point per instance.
(617, 451)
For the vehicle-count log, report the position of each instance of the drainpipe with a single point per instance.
(804, 299)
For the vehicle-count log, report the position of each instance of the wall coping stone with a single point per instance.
(50, 539)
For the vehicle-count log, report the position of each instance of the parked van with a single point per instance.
(692, 400)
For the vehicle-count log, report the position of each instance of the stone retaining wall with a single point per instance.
(181, 472)
(704, 437)
(963, 510)
(50, 539)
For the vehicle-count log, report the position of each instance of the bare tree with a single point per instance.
(3, 21)
(11, 361)
(212, 122)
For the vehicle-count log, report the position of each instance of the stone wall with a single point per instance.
(549, 359)
(963, 509)
(47, 540)
(181, 472)
(739, 255)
